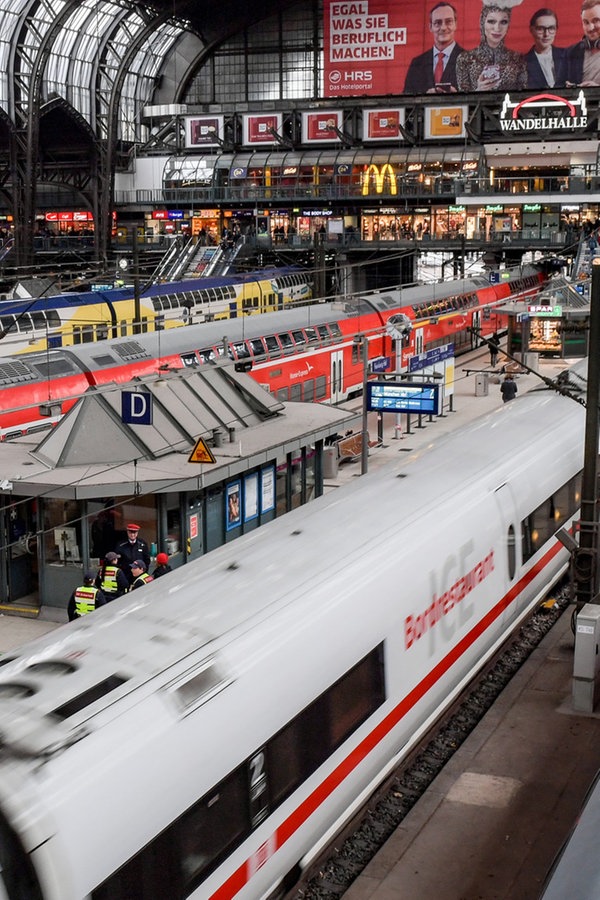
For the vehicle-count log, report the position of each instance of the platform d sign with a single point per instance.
(201, 453)
(136, 408)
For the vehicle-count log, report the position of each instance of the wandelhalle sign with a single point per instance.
(369, 45)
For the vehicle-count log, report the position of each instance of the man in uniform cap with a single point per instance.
(85, 599)
(131, 549)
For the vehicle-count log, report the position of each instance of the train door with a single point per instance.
(195, 530)
(20, 581)
(336, 376)
(508, 548)
(476, 326)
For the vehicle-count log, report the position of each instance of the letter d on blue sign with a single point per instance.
(136, 408)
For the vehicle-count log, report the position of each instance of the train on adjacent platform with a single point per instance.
(311, 353)
(206, 738)
(73, 318)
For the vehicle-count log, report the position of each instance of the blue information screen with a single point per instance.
(387, 396)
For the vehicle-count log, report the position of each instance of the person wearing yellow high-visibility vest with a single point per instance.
(85, 599)
(111, 579)
(140, 576)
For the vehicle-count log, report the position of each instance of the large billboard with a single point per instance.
(379, 47)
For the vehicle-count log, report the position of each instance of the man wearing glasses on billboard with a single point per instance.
(434, 72)
(546, 64)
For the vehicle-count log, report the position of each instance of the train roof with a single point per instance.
(69, 299)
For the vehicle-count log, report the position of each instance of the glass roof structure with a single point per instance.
(91, 53)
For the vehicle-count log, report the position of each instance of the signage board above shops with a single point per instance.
(323, 126)
(262, 128)
(204, 131)
(541, 309)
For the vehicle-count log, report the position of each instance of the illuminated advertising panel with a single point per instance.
(204, 131)
(325, 125)
(383, 124)
(262, 128)
(445, 122)
(377, 47)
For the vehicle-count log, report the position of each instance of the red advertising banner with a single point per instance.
(324, 125)
(203, 131)
(259, 129)
(383, 124)
(377, 47)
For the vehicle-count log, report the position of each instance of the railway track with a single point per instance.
(333, 872)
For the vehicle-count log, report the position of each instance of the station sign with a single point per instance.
(430, 357)
(395, 397)
(380, 364)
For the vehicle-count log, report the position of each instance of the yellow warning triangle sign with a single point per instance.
(201, 453)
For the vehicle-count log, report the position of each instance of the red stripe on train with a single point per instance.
(302, 813)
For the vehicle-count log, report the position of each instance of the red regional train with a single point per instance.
(312, 353)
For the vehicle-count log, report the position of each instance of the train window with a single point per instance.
(190, 849)
(323, 332)
(296, 392)
(87, 334)
(207, 354)
(257, 347)
(311, 334)
(286, 342)
(38, 319)
(336, 331)
(272, 345)
(189, 359)
(282, 394)
(540, 525)
(24, 322)
(299, 339)
(101, 332)
(321, 385)
(7, 323)
(306, 742)
(240, 350)
(174, 301)
(309, 390)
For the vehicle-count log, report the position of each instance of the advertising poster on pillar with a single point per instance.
(383, 47)
(383, 124)
(325, 125)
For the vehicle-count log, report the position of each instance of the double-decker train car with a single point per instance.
(76, 318)
(308, 353)
(205, 737)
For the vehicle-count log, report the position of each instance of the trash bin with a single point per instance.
(330, 462)
(482, 384)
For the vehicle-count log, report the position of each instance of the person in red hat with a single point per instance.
(131, 549)
(162, 565)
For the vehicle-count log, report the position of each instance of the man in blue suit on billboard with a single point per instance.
(434, 72)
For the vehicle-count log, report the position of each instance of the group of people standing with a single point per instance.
(123, 569)
(491, 66)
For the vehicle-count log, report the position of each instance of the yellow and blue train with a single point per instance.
(85, 317)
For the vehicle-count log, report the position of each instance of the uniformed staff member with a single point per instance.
(85, 599)
(111, 579)
(140, 576)
(133, 548)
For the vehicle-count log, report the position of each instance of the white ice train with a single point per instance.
(203, 737)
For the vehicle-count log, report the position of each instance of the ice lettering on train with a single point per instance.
(416, 626)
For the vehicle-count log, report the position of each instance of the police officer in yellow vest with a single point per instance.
(85, 599)
(140, 576)
(111, 579)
